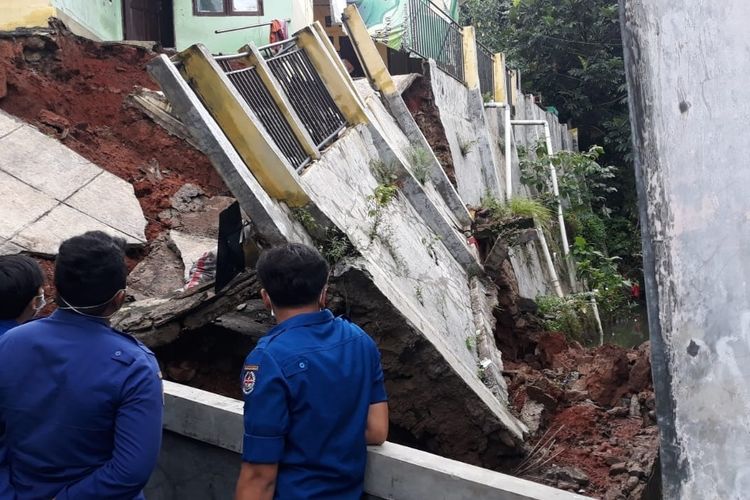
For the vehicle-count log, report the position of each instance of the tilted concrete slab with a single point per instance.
(407, 277)
(49, 193)
(191, 248)
(204, 431)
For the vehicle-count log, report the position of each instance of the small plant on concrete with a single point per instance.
(419, 159)
(429, 243)
(336, 247)
(385, 174)
(419, 294)
(471, 343)
(466, 147)
(304, 217)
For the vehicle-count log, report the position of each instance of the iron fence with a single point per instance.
(250, 86)
(433, 34)
(305, 91)
(486, 64)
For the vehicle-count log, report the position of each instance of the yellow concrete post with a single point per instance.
(471, 63)
(241, 126)
(254, 58)
(335, 57)
(500, 94)
(367, 52)
(343, 95)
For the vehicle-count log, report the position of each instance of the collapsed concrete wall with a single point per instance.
(409, 276)
(462, 116)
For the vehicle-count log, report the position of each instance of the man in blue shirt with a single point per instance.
(21, 292)
(80, 403)
(313, 386)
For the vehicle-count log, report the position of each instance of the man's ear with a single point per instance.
(266, 299)
(324, 298)
(119, 299)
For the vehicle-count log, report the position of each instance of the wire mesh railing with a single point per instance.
(255, 94)
(432, 34)
(305, 90)
(486, 66)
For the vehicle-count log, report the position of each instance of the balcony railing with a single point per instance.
(432, 34)
(305, 90)
(486, 65)
(255, 94)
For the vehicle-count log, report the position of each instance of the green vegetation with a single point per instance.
(466, 147)
(419, 159)
(497, 219)
(331, 242)
(471, 343)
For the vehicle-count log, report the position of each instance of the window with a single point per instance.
(228, 7)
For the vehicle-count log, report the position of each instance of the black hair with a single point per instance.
(20, 279)
(90, 269)
(293, 275)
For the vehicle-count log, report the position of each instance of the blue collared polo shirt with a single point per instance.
(308, 386)
(7, 324)
(80, 411)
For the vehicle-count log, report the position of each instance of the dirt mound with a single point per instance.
(591, 414)
(75, 89)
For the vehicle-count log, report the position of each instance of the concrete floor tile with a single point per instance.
(45, 163)
(45, 236)
(20, 205)
(8, 124)
(112, 201)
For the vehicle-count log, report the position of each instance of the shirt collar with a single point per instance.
(71, 316)
(307, 319)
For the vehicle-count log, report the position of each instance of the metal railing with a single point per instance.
(305, 90)
(486, 65)
(431, 33)
(250, 86)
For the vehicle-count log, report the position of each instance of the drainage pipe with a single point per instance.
(507, 145)
(553, 175)
(548, 261)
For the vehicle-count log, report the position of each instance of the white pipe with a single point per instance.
(595, 308)
(553, 175)
(548, 261)
(508, 163)
(556, 191)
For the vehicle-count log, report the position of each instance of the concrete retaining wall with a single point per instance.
(200, 460)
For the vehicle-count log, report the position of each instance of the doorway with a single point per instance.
(149, 20)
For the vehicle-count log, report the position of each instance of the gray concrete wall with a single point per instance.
(463, 118)
(200, 460)
(687, 65)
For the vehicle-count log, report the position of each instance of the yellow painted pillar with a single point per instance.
(500, 93)
(471, 63)
(254, 58)
(343, 95)
(335, 57)
(368, 53)
(241, 126)
(514, 86)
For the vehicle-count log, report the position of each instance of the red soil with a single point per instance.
(85, 84)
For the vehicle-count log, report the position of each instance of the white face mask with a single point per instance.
(41, 304)
(79, 310)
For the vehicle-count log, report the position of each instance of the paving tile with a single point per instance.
(20, 205)
(112, 201)
(9, 248)
(45, 163)
(8, 124)
(45, 235)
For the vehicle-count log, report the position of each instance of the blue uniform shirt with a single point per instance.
(81, 407)
(308, 387)
(6, 324)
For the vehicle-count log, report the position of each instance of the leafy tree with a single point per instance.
(570, 54)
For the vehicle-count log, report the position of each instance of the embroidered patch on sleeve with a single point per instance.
(248, 382)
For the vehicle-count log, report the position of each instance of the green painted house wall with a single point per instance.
(190, 29)
(103, 20)
(98, 19)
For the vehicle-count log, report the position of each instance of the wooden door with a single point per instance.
(143, 20)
